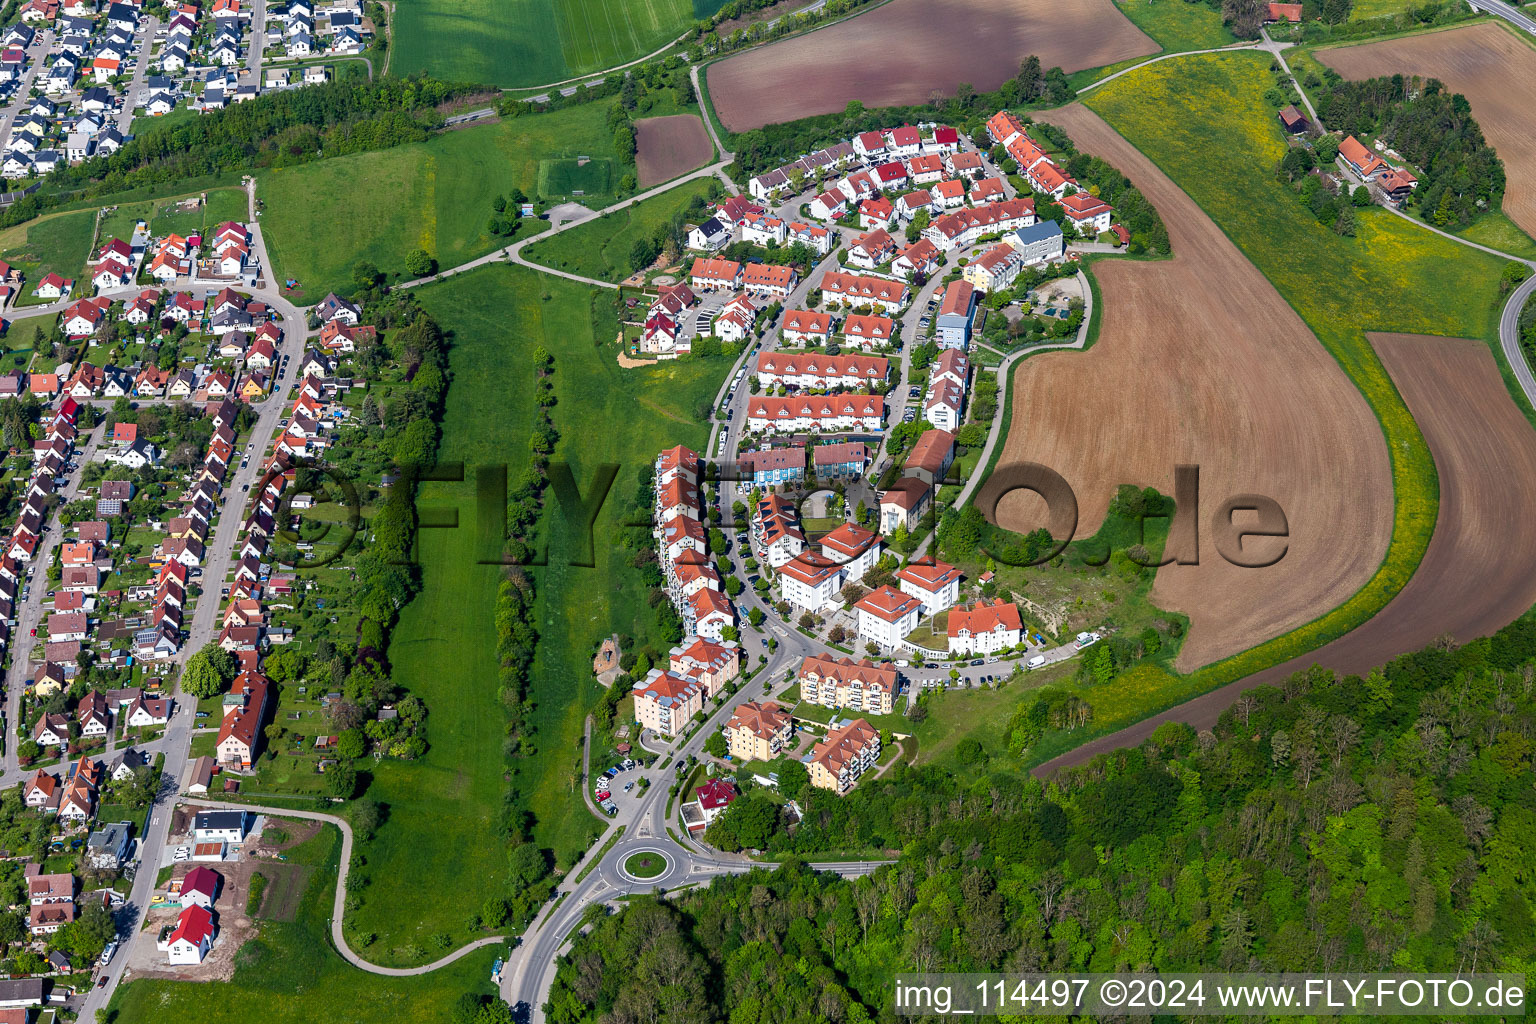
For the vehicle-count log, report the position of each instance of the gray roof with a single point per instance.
(220, 820)
(1038, 232)
(109, 837)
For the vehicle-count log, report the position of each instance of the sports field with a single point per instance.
(534, 42)
(599, 248)
(322, 217)
(289, 974)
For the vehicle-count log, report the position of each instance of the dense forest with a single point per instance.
(1347, 824)
(1433, 129)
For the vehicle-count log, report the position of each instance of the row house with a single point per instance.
(823, 413)
(862, 290)
(868, 331)
(966, 227)
(816, 370)
(805, 327)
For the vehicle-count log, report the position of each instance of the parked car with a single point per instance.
(1038, 661)
(628, 786)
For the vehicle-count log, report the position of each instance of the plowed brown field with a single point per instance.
(905, 50)
(1479, 572)
(1498, 75)
(668, 146)
(1199, 360)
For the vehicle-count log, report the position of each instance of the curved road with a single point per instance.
(338, 938)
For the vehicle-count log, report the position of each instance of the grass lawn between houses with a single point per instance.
(289, 974)
(1392, 276)
(59, 244)
(165, 217)
(434, 195)
(600, 248)
(442, 807)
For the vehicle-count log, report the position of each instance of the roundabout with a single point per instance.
(646, 865)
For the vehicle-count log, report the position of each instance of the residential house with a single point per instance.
(861, 685)
(935, 584)
(852, 547)
(758, 731)
(984, 628)
(903, 504)
(837, 762)
(931, 457)
(192, 938)
(811, 582)
(952, 325)
(1039, 242)
(886, 616)
(1089, 214)
(820, 413)
(666, 702)
(995, 269)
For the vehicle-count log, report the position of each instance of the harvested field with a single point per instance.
(1479, 572)
(1495, 71)
(899, 54)
(1199, 360)
(666, 147)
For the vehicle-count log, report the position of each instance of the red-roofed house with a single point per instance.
(887, 615)
(1361, 160)
(192, 938)
(1088, 213)
(935, 584)
(711, 274)
(984, 628)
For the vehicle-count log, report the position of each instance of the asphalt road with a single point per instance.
(204, 625)
(1515, 17)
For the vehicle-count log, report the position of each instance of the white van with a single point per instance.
(1038, 661)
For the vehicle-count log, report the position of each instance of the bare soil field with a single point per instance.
(1479, 572)
(668, 146)
(1199, 360)
(902, 52)
(1495, 71)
